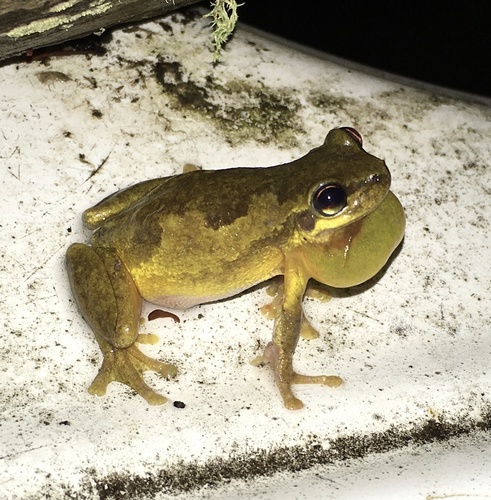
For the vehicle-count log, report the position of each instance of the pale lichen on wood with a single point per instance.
(61, 21)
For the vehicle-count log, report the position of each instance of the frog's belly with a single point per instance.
(187, 301)
(185, 281)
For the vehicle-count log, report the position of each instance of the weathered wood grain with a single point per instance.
(30, 24)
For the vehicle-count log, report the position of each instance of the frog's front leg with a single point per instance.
(111, 304)
(287, 330)
(271, 310)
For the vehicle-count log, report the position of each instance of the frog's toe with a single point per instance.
(329, 380)
(127, 366)
(293, 403)
(286, 376)
(145, 363)
(289, 400)
(307, 331)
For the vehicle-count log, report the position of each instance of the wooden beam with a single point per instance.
(26, 25)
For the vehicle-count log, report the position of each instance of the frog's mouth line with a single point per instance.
(368, 194)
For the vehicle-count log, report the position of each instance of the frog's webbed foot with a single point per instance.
(127, 365)
(285, 376)
(271, 310)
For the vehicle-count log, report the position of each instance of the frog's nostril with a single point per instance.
(373, 179)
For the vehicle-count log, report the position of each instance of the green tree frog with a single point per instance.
(201, 236)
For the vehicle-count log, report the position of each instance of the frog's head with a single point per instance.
(352, 223)
(345, 184)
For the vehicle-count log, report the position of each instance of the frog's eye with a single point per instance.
(354, 134)
(329, 199)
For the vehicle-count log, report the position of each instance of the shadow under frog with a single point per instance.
(206, 235)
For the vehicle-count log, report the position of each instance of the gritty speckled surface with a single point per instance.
(413, 345)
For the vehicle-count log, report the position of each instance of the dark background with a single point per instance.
(443, 43)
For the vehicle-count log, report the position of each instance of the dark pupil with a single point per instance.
(330, 200)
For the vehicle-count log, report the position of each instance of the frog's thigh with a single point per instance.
(110, 303)
(105, 293)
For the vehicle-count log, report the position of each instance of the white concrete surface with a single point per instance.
(414, 347)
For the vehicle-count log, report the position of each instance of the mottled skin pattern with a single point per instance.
(205, 235)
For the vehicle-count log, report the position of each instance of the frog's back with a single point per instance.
(207, 234)
(203, 199)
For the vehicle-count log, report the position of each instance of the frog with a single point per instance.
(207, 235)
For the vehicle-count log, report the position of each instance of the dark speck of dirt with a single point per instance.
(188, 477)
(166, 27)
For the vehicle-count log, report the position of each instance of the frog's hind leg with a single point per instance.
(111, 304)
